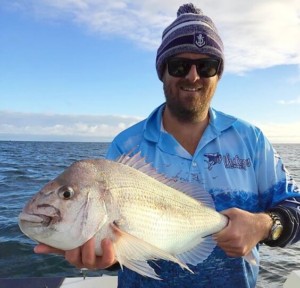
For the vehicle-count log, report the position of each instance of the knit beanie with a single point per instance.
(192, 32)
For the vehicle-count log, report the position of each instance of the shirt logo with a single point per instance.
(200, 39)
(213, 159)
(229, 162)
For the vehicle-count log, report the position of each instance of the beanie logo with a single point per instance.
(200, 39)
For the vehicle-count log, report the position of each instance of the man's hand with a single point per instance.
(84, 256)
(243, 232)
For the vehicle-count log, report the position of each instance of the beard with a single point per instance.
(190, 108)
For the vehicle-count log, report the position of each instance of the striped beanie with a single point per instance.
(190, 32)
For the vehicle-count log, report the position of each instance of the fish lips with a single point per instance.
(34, 219)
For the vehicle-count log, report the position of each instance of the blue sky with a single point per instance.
(83, 70)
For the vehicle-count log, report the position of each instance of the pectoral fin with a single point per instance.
(134, 253)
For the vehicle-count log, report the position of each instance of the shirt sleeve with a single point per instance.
(282, 196)
(289, 212)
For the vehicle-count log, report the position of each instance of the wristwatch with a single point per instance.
(276, 229)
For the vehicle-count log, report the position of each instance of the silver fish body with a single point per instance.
(146, 215)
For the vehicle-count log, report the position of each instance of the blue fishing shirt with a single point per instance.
(235, 163)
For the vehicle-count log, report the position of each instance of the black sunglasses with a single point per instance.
(206, 67)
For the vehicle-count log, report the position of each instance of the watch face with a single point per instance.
(277, 227)
(277, 232)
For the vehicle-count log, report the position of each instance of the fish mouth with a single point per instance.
(35, 219)
(45, 215)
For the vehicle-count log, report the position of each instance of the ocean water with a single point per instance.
(26, 166)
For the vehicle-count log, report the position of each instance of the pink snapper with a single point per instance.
(146, 215)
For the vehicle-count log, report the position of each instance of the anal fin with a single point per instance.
(199, 253)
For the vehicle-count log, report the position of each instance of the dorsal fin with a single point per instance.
(194, 190)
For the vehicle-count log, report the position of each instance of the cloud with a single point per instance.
(85, 128)
(290, 102)
(281, 132)
(37, 126)
(257, 34)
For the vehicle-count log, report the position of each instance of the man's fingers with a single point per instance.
(45, 249)
(88, 254)
(108, 257)
(74, 257)
(85, 257)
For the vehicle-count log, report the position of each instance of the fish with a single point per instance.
(145, 214)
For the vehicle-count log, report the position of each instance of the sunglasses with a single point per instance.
(206, 67)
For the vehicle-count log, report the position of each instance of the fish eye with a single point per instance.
(65, 193)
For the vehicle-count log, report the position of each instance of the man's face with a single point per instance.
(188, 98)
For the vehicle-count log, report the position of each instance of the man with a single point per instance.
(187, 139)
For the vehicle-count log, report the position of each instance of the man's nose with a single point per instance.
(193, 76)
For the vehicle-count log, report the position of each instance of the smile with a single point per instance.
(191, 89)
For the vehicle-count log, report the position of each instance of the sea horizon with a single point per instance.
(103, 141)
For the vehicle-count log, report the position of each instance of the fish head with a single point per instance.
(68, 210)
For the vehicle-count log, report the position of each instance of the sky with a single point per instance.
(84, 70)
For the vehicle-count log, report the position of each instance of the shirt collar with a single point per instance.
(218, 123)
